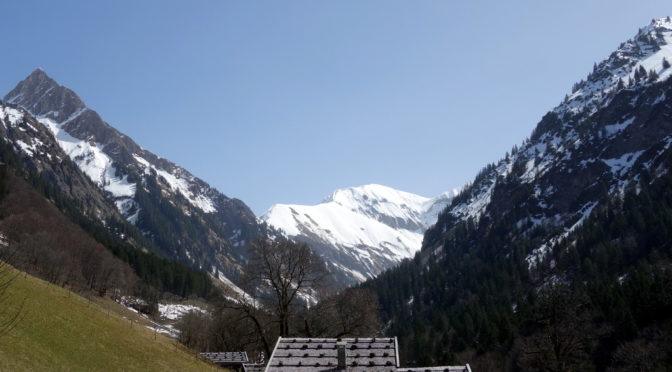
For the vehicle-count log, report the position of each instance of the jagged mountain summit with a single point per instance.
(42, 154)
(361, 231)
(519, 226)
(184, 216)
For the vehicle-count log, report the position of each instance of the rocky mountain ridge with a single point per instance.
(182, 215)
(600, 136)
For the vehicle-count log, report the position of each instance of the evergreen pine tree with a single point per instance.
(642, 72)
(653, 76)
(620, 84)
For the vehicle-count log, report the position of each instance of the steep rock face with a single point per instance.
(185, 217)
(613, 126)
(360, 231)
(40, 152)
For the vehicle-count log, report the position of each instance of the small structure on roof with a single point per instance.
(232, 359)
(342, 355)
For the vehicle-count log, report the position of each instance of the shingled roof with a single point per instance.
(253, 367)
(321, 355)
(464, 368)
(227, 358)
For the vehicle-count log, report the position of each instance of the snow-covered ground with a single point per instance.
(176, 311)
(170, 312)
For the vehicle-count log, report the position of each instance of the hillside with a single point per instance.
(61, 331)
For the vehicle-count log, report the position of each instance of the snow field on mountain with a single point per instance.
(98, 166)
(11, 114)
(92, 160)
(339, 225)
(179, 184)
(373, 225)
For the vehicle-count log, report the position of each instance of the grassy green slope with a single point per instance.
(61, 331)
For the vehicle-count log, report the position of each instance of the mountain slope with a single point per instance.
(520, 227)
(52, 234)
(186, 218)
(360, 231)
(39, 152)
(65, 332)
(592, 145)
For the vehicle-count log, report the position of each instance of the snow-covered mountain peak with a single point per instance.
(374, 192)
(660, 23)
(360, 231)
(107, 156)
(53, 101)
(642, 60)
(385, 204)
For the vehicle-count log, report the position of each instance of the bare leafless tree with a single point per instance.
(351, 313)
(287, 274)
(194, 330)
(240, 325)
(283, 279)
(246, 309)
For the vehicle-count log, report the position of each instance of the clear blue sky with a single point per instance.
(285, 101)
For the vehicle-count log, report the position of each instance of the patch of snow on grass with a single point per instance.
(176, 311)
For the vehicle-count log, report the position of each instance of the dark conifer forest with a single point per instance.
(602, 296)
